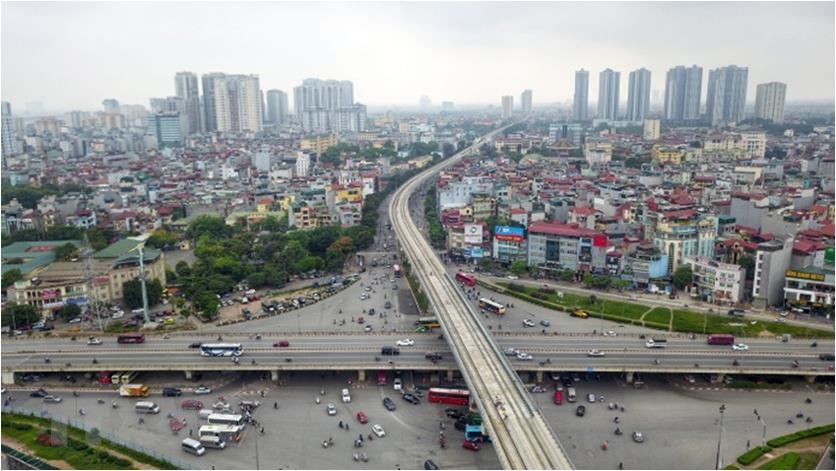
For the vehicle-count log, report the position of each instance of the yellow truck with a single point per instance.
(579, 313)
(134, 390)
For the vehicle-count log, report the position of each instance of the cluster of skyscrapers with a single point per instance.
(525, 104)
(725, 98)
(328, 105)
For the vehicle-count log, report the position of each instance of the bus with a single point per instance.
(131, 338)
(428, 322)
(466, 279)
(720, 339)
(381, 378)
(226, 419)
(225, 432)
(397, 270)
(221, 349)
(115, 378)
(491, 306)
(459, 397)
(128, 378)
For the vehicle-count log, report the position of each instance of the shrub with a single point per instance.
(785, 461)
(516, 287)
(539, 295)
(801, 434)
(752, 455)
(547, 290)
(21, 426)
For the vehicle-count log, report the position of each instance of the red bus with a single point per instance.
(459, 397)
(720, 339)
(381, 378)
(466, 279)
(131, 338)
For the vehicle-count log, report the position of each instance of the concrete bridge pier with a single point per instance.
(450, 375)
(539, 376)
(8, 377)
(189, 374)
(721, 377)
(810, 378)
(361, 376)
(629, 377)
(274, 376)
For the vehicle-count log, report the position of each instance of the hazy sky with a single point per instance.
(73, 55)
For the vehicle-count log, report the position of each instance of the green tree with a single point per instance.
(18, 315)
(207, 303)
(587, 279)
(213, 226)
(566, 275)
(63, 233)
(11, 277)
(448, 149)
(69, 311)
(98, 238)
(683, 277)
(519, 267)
(747, 262)
(182, 268)
(132, 293)
(592, 299)
(66, 252)
(161, 238)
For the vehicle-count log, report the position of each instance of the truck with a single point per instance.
(134, 390)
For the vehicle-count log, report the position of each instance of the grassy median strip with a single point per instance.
(56, 441)
(792, 460)
(750, 456)
(659, 318)
(800, 435)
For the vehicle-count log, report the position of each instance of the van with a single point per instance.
(205, 413)
(570, 394)
(656, 343)
(192, 446)
(346, 395)
(147, 407)
(211, 441)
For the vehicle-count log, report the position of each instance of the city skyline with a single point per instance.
(449, 48)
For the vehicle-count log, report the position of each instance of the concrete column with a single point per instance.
(539, 376)
(810, 378)
(629, 376)
(361, 376)
(450, 375)
(189, 374)
(274, 376)
(721, 377)
(8, 377)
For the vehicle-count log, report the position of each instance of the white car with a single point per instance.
(332, 409)
(203, 390)
(118, 315)
(368, 328)
(524, 356)
(52, 399)
(511, 351)
(609, 333)
(590, 397)
(513, 277)
(740, 347)
(76, 320)
(528, 323)
(378, 430)
(93, 341)
(595, 353)
(405, 343)
(397, 384)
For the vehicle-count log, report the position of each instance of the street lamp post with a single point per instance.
(719, 460)
(760, 418)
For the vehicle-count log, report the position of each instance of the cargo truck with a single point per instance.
(134, 390)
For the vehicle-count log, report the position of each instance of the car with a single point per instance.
(528, 323)
(537, 388)
(740, 347)
(362, 418)
(411, 398)
(75, 320)
(513, 277)
(203, 390)
(394, 286)
(826, 357)
(784, 313)
(545, 323)
(610, 333)
(172, 392)
(405, 343)
(119, 315)
(591, 398)
(191, 404)
(368, 328)
(461, 424)
(364, 296)
(52, 399)
(195, 345)
(378, 430)
(368, 288)
(430, 464)
(387, 305)
(595, 353)
(360, 320)
(281, 344)
(470, 445)
(690, 379)
(332, 409)
(580, 411)
(41, 392)
(511, 352)
(454, 414)
(524, 356)
(371, 311)
(780, 319)
(638, 437)
(93, 341)
(397, 384)
(389, 404)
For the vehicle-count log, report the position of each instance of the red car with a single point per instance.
(191, 404)
(558, 397)
(281, 343)
(361, 417)
(360, 320)
(470, 445)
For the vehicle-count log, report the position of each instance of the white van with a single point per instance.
(570, 395)
(346, 395)
(147, 407)
(193, 446)
(212, 441)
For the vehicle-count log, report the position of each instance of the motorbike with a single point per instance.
(325, 444)
(73, 338)
(795, 363)
(317, 400)
(275, 405)
(809, 420)
(657, 361)
(376, 358)
(618, 431)
(75, 394)
(100, 401)
(95, 361)
(47, 360)
(735, 363)
(114, 405)
(288, 360)
(808, 400)
(814, 344)
(605, 445)
(789, 421)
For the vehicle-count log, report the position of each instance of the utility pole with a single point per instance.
(719, 461)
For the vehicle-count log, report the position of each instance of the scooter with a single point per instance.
(618, 431)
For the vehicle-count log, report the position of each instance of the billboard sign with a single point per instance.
(473, 234)
(509, 233)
